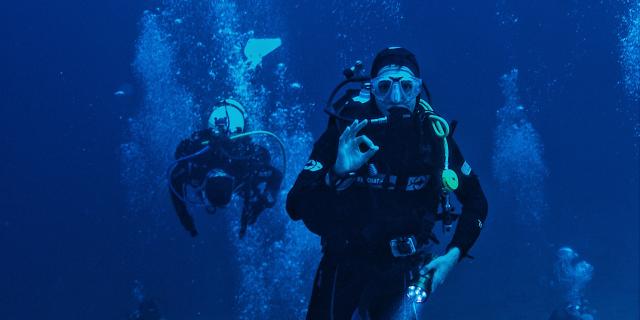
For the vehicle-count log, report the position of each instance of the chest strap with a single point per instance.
(393, 182)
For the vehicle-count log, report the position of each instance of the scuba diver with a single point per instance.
(147, 310)
(371, 190)
(579, 311)
(573, 275)
(217, 162)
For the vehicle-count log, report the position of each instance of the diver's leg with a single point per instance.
(388, 294)
(336, 290)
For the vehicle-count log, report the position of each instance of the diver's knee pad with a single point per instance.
(218, 188)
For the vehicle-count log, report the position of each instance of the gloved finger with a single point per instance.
(359, 126)
(367, 155)
(344, 134)
(352, 130)
(364, 139)
(429, 267)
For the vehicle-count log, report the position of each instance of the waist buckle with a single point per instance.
(403, 246)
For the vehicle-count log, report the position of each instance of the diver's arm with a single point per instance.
(185, 148)
(179, 175)
(249, 215)
(474, 213)
(183, 214)
(265, 173)
(311, 199)
(177, 180)
(255, 200)
(197, 141)
(273, 187)
(473, 200)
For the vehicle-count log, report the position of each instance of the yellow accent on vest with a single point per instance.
(450, 180)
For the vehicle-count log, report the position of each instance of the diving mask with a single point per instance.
(396, 88)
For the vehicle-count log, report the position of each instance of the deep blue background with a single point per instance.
(71, 251)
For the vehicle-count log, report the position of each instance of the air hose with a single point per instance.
(441, 129)
(271, 134)
(174, 165)
(205, 149)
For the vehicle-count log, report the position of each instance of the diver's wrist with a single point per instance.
(454, 253)
(338, 173)
(338, 181)
(334, 177)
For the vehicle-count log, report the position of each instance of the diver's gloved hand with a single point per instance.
(441, 266)
(350, 158)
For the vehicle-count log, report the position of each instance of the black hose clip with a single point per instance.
(356, 70)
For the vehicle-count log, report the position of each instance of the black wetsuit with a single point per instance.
(246, 165)
(398, 196)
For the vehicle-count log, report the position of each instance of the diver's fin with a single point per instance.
(256, 49)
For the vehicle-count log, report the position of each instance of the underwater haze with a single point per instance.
(96, 95)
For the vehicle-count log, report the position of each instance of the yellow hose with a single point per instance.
(441, 128)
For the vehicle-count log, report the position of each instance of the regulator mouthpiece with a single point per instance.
(396, 119)
(356, 70)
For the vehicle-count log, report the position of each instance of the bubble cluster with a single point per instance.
(573, 275)
(138, 291)
(518, 164)
(630, 62)
(630, 51)
(505, 14)
(168, 113)
(358, 15)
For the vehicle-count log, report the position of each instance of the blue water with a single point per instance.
(95, 96)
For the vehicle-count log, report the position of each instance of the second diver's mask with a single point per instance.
(395, 87)
(228, 117)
